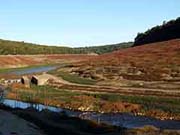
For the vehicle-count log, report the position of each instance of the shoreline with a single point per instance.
(61, 123)
(93, 111)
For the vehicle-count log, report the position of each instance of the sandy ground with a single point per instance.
(11, 124)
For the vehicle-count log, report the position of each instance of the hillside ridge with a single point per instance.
(15, 47)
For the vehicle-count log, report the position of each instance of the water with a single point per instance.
(34, 70)
(119, 119)
(24, 105)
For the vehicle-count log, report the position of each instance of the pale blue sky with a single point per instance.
(82, 22)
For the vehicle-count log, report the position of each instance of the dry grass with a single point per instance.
(151, 61)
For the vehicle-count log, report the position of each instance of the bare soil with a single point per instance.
(15, 61)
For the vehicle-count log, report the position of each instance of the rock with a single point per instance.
(166, 76)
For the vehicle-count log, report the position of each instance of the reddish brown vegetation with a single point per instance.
(147, 62)
(119, 107)
(161, 114)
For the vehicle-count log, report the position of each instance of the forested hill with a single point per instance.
(14, 47)
(105, 48)
(167, 31)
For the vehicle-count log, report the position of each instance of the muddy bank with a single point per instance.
(17, 61)
(12, 124)
(127, 120)
(59, 123)
(53, 123)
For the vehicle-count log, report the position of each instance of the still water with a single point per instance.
(119, 119)
(33, 70)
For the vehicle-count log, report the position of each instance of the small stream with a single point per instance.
(33, 70)
(119, 119)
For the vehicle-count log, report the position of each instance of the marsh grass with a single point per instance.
(43, 93)
(148, 102)
(53, 96)
(73, 78)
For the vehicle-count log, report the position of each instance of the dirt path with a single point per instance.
(11, 124)
(60, 83)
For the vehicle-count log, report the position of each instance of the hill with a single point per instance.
(167, 31)
(106, 48)
(14, 48)
(150, 62)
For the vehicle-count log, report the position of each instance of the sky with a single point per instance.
(77, 23)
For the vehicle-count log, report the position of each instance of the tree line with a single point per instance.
(166, 31)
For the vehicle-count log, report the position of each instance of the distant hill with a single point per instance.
(105, 48)
(167, 31)
(14, 47)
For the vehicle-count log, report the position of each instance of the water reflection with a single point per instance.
(120, 119)
(24, 105)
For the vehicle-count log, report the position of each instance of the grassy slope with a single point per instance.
(152, 60)
(14, 47)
